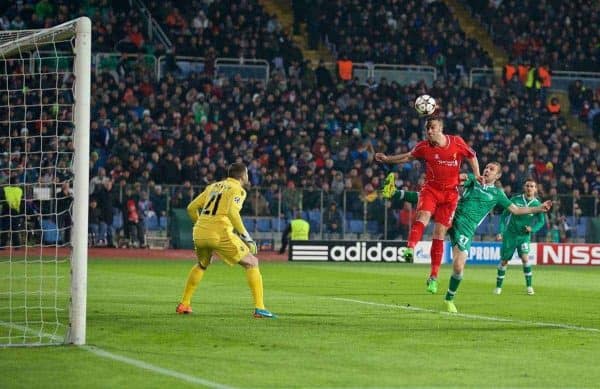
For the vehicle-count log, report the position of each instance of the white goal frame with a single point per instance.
(15, 43)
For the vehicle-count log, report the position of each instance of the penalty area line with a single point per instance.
(121, 358)
(472, 316)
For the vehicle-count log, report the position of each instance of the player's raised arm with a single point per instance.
(545, 207)
(471, 157)
(474, 163)
(197, 204)
(397, 158)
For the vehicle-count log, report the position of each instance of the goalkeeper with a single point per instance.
(515, 234)
(218, 228)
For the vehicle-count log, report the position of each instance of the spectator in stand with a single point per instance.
(97, 225)
(107, 199)
(63, 210)
(134, 220)
(333, 220)
(554, 106)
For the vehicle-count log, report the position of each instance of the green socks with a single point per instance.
(453, 286)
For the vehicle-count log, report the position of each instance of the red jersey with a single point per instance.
(443, 162)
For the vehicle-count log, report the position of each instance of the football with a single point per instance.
(425, 105)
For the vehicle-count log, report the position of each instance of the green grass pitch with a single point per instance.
(340, 325)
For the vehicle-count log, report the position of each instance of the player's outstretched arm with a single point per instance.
(545, 207)
(397, 158)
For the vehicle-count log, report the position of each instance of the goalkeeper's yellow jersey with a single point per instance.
(218, 207)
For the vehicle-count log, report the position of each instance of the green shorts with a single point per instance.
(512, 242)
(461, 235)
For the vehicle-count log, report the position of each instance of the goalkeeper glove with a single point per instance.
(250, 243)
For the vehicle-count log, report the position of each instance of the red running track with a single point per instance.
(123, 253)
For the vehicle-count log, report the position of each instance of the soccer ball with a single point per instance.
(425, 105)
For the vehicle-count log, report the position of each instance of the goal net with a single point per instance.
(44, 158)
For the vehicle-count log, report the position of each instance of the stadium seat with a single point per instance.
(117, 223)
(314, 216)
(493, 224)
(373, 227)
(263, 225)
(315, 226)
(278, 224)
(49, 232)
(162, 222)
(482, 229)
(581, 229)
(249, 223)
(152, 223)
(356, 226)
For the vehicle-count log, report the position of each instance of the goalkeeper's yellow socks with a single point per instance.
(256, 286)
(193, 280)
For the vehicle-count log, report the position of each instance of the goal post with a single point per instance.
(44, 151)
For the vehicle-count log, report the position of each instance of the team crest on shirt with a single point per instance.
(237, 199)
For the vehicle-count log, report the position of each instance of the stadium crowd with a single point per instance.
(556, 35)
(561, 34)
(228, 29)
(154, 142)
(396, 32)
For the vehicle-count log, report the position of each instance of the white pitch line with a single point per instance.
(153, 368)
(126, 360)
(470, 316)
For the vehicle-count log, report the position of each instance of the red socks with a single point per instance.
(416, 233)
(437, 251)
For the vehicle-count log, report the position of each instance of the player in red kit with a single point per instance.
(443, 155)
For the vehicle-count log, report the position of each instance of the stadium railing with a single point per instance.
(259, 69)
(109, 62)
(402, 74)
(255, 69)
(363, 215)
(560, 79)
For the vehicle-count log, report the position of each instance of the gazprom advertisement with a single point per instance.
(488, 253)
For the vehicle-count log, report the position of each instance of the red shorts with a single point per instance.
(441, 203)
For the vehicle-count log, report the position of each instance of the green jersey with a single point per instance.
(515, 224)
(477, 201)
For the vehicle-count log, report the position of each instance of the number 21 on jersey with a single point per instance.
(211, 206)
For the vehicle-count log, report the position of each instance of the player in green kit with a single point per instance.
(515, 234)
(473, 207)
(475, 204)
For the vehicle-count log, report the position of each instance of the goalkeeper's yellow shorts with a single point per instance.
(226, 244)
